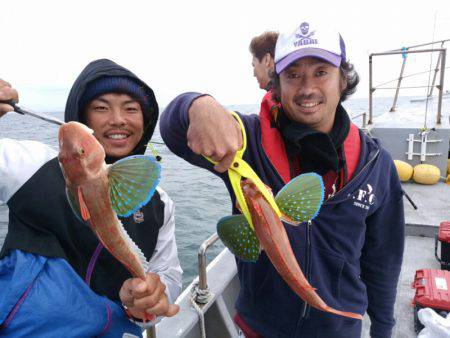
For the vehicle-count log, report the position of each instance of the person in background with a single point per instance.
(56, 279)
(262, 48)
(352, 251)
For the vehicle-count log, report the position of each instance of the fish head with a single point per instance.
(80, 154)
(253, 196)
(249, 189)
(251, 193)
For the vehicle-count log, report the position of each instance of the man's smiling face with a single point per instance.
(310, 92)
(117, 121)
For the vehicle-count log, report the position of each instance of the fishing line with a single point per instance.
(23, 111)
(54, 120)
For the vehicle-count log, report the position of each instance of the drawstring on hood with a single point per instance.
(79, 97)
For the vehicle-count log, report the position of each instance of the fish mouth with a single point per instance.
(249, 188)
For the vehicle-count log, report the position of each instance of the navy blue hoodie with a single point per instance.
(351, 252)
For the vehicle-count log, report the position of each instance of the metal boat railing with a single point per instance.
(364, 119)
(202, 296)
(202, 293)
(440, 67)
(202, 282)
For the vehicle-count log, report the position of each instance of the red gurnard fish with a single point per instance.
(98, 192)
(274, 240)
(299, 201)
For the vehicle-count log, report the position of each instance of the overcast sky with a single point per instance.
(178, 46)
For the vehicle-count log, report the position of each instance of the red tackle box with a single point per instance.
(443, 236)
(433, 291)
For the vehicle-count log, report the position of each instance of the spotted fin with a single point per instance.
(236, 234)
(132, 182)
(300, 200)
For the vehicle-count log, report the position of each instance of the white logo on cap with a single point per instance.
(305, 38)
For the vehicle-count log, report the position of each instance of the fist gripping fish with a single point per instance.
(299, 200)
(98, 192)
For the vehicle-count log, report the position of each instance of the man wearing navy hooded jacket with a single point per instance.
(56, 279)
(352, 251)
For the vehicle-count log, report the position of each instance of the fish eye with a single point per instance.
(82, 151)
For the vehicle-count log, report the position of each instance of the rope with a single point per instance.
(379, 86)
(202, 297)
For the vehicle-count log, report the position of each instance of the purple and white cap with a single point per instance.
(309, 40)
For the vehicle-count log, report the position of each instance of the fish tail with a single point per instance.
(343, 313)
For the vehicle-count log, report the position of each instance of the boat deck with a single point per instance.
(433, 207)
(419, 254)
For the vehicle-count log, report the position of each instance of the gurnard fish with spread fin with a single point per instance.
(98, 192)
(300, 200)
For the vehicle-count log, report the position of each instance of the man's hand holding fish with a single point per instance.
(146, 299)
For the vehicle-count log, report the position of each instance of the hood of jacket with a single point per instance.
(104, 67)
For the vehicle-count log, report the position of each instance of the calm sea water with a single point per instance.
(200, 197)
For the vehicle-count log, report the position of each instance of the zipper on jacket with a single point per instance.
(305, 312)
(291, 167)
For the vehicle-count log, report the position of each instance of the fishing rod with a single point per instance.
(40, 116)
(409, 199)
(43, 116)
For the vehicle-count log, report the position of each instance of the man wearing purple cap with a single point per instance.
(352, 251)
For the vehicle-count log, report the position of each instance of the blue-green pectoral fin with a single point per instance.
(300, 200)
(236, 234)
(132, 182)
(73, 202)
